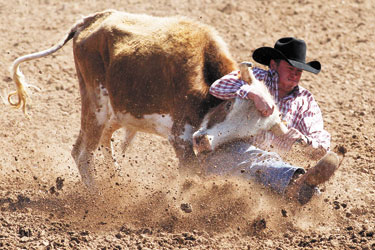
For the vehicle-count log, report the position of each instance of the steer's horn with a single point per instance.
(279, 129)
(246, 74)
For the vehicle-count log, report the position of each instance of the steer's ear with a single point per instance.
(246, 74)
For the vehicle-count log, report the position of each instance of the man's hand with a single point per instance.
(262, 105)
(265, 108)
(286, 142)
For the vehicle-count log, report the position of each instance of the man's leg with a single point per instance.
(300, 189)
(272, 173)
(267, 168)
(244, 160)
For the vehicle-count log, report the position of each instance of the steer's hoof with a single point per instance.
(91, 186)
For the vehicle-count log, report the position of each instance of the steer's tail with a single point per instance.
(18, 77)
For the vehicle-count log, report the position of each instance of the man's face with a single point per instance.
(289, 76)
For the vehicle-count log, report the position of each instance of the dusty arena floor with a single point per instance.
(44, 205)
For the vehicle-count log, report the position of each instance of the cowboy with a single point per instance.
(300, 112)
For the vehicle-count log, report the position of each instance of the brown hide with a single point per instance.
(129, 66)
(157, 65)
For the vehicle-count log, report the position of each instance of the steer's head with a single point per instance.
(234, 119)
(231, 120)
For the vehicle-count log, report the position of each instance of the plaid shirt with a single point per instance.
(298, 109)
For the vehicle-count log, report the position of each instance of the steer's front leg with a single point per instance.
(182, 143)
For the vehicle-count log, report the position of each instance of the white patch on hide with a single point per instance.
(104, 111)
(187, 134)
(101, 112)
(160, 124)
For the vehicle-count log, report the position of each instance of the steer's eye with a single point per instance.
(227, 106)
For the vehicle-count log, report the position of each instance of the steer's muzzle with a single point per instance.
(202, 143)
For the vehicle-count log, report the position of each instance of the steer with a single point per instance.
(140, 73)
(237, 119)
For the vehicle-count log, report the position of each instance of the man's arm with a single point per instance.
(312, 126)
(308, 127)
(231, 86)
(226, 88)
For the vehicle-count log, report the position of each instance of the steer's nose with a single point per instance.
(202, 143)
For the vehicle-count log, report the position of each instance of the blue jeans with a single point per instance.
(247, 161)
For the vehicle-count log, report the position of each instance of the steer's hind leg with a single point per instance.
(90, 133)
(107, 147)
(83, 150)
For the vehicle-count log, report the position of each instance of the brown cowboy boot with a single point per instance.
(303, 188)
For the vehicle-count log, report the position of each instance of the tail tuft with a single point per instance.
(22, 92)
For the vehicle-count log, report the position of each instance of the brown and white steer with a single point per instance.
(237, 119)
(141, 73)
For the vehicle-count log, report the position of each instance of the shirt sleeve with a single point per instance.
(230, 86)
(226, 87)
(312, 126)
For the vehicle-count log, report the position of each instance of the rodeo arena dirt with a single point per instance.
(148, 203)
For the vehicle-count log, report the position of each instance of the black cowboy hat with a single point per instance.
(289, 49)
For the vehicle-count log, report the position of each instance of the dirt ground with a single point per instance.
(44, 205)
